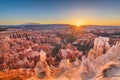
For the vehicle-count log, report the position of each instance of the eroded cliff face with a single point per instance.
(102, 62)
(97, 63)
(113, 54)
(101, 45)
(106, 66)
(103, 67)
(110, 71)
(19, 53)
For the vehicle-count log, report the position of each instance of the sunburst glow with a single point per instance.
(78, 24)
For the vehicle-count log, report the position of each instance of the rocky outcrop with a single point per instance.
(110, 71)
(104, 66)
(19, 53)
(113, 54)
(101, 45)
(42, 70)
(22, 50)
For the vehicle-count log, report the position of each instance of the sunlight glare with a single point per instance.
(78, 24)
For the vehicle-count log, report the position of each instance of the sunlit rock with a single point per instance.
(42, 69)
(101, 45)
(110, 71)
(103, 63)
(113, 54)
(65, 63)
(42, 56)
(77, 62)
(84, 66)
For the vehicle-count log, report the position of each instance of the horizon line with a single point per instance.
(57, 24)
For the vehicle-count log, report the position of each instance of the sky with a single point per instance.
(84, 12)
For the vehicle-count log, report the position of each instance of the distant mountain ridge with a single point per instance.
(55, 26)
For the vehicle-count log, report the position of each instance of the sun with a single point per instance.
(78, 24)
